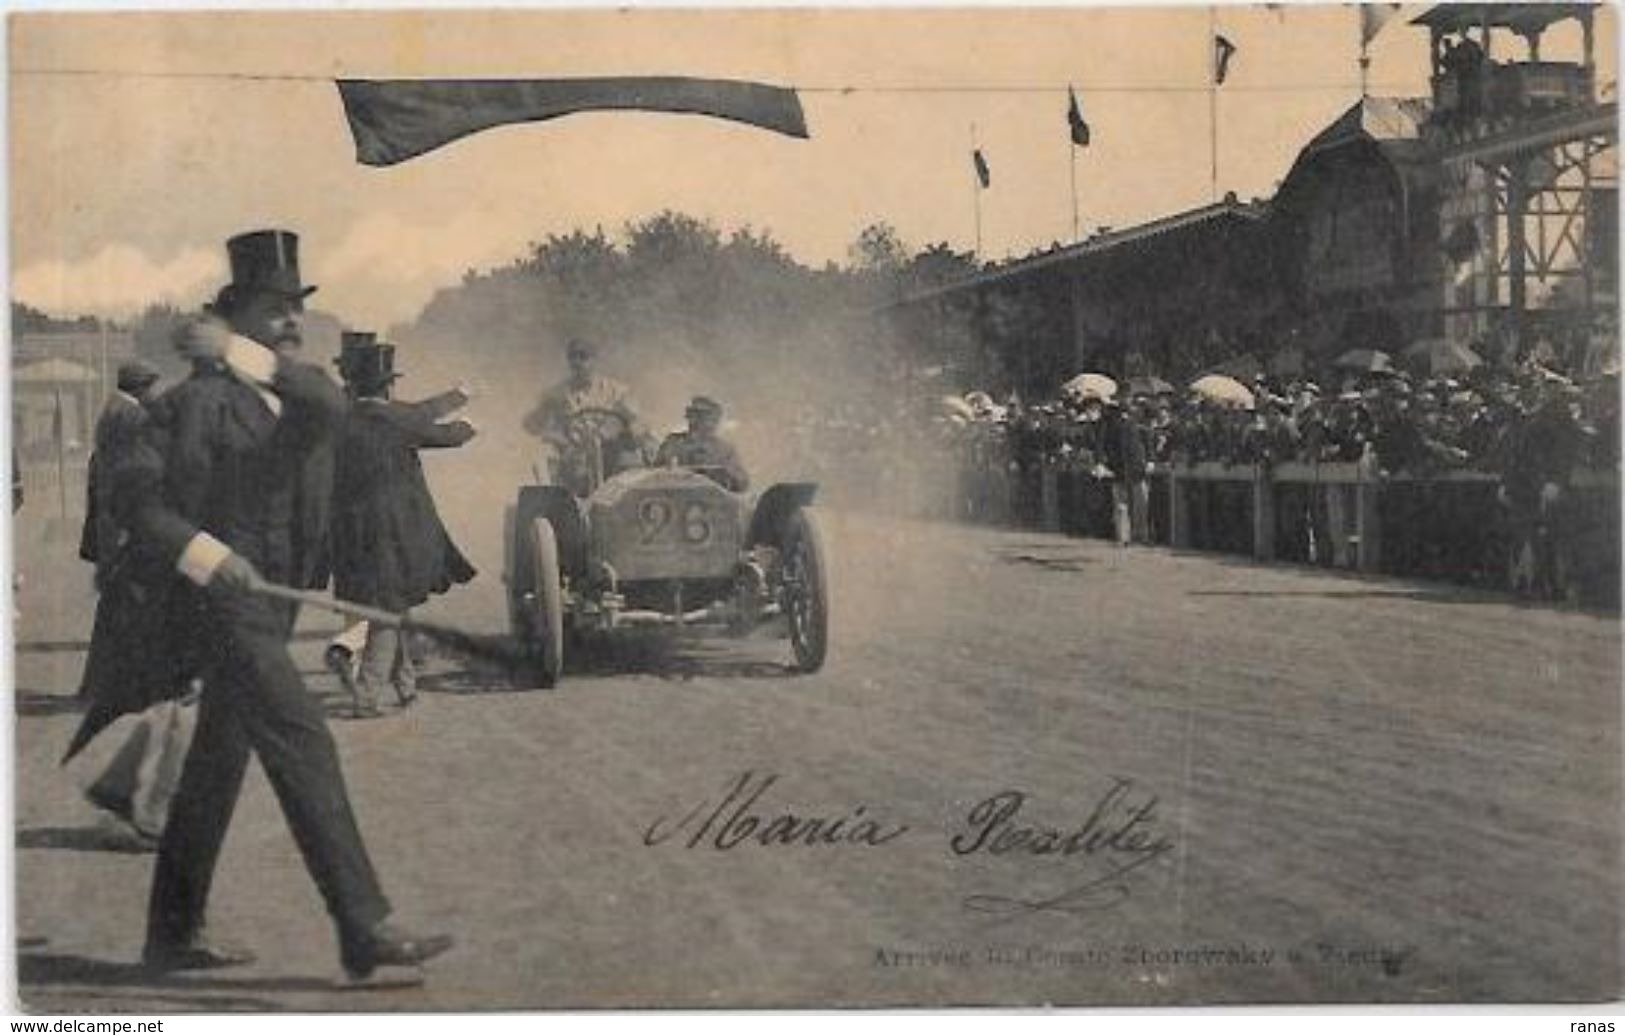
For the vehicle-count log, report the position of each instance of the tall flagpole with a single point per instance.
(59, 426)
(1213, 102)
(1365, 52)
(976, 190)
(1072, 152)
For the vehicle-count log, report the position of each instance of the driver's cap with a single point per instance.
(704, 406)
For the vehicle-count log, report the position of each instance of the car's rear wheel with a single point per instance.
(805, 590)
(544, 603)
(516, 575)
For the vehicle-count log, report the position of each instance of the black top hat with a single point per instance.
(367, 365)
(267, 260)
(352, 344)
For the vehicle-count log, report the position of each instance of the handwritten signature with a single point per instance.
(738, 820)
(1119, 829)
(1115, 839)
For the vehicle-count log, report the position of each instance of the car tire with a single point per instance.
(546, 610)
(804, 589)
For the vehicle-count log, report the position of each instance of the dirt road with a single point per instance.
(1259, 784)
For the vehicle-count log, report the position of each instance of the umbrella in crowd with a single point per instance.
(1365, 361)
(1148, 385)
(1441, 357)
(1226, 391)
(953, 406)
(1090, 386)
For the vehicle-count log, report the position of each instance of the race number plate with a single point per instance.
(686, 530)
(675, 521)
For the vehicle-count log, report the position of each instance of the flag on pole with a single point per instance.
(984, 175)
(1223, 51)
(1373, 17)
(1074, 119)
(393, 120)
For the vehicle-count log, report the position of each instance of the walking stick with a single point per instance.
(499, 649)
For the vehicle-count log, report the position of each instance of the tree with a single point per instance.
(878, 249)
(938, 265)
(25, 319)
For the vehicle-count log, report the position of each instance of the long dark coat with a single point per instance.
(390, 549)
(164, 485)
(138, 654)
(118, 429)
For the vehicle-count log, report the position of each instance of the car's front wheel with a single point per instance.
(804, 590)
(545, 603)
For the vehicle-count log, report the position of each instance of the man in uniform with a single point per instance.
(214, 493)
(700, 446)
(554, 419)
(119, 426)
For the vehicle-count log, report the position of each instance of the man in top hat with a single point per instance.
(212, 492)
(702, 447)
(390, 549)
(269, 259)
(344, 650)
(556, 419)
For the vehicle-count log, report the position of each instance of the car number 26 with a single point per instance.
(668, 520)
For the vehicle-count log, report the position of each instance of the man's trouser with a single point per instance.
(386, 659)
(254, 701)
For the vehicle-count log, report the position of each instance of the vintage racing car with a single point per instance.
(660, 545)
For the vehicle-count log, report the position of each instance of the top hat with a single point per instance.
(365, 364)
(704, 405)
(351, 345)
(267, 260)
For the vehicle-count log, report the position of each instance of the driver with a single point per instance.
(700, 446)
(552, 419)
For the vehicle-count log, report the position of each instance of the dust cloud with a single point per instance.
(813, 405)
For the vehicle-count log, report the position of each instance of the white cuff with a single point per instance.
(250, 360)
(203, 554)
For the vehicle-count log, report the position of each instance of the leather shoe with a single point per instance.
(341, 663)
(388, 946)
(200, 953)
(118, 835)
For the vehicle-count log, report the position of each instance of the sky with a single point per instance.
(140, 141)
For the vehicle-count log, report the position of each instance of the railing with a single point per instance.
(1347, 500)
(1516, 87)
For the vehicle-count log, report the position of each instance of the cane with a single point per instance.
(498, 649)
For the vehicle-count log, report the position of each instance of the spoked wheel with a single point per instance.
(806, 590)
(542, 600)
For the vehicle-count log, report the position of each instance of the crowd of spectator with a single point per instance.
(1419, 426)
(1522, 435)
